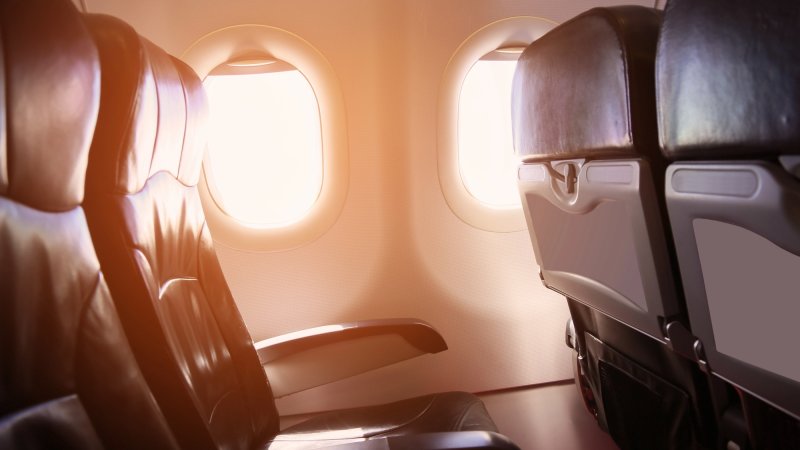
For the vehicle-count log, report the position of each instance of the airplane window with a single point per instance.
(264, 162)
(276, 171)
(486, 158)
(475, 159)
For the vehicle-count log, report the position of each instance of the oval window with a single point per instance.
(486, 159)
(476, 162)
(264, 162)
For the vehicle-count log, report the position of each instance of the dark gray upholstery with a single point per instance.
(584, 122)
(728, 79)
(729, 116)
(584, 118)
(586, 88)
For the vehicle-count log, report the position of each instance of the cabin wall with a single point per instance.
(397, 250)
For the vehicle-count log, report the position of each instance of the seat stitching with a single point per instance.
(171, 281)
(216, 405)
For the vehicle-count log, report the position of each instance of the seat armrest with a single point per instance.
(452, 440)
(305, 359)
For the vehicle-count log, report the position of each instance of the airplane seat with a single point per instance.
(728, 89)
(584, 122)
(68, 378)
(151, 236)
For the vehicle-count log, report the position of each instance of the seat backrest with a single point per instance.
(584, 119)
(729, 116)
(151, 237)
(583, 113)
(67, 376)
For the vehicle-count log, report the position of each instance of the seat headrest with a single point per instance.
(48, 103)
(728, 78)
(585, 89)
(152, 112)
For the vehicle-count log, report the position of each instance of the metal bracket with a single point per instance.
(680, 339)
(683, 342)
(569, 335)
(700, 357)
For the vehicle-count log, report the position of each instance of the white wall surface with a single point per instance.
(396, 250)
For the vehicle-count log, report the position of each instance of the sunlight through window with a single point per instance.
(264, 161)
(486, 158)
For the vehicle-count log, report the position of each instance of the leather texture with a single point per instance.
(587, 90)
(149, 229)
(728, 82)
(571, 100)
(35, 63)
(151, 237)
(68, 378)
(449, 411)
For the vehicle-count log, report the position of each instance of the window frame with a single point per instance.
(244, 41)
(517, 31)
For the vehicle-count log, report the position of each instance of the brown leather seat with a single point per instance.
(67, 376)
(151, 236)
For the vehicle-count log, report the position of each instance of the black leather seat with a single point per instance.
(729, 116)
(68, 378)
(584, 118)
(151, 236)
(584, 122)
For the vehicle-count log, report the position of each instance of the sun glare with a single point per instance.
(264, 160)
(486, 158)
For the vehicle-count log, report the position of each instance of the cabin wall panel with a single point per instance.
(397, 250)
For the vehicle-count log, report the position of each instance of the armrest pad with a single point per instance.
(414, 331)
(305, 359)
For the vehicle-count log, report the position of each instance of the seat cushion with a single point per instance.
(449, 411)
